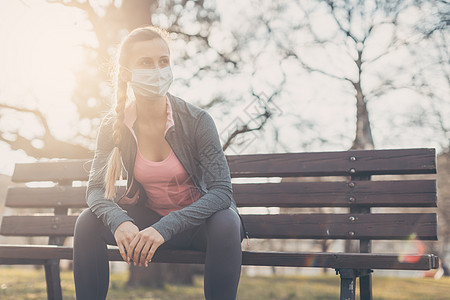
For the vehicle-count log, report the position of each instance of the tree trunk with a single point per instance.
(363, 138)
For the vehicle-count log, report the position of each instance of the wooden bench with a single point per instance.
(354, 192)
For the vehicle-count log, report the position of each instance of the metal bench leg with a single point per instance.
(365, 286)
(53, 279)
(348, 283)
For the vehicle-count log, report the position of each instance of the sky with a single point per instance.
(41, 49)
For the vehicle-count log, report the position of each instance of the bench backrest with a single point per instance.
(353, 190)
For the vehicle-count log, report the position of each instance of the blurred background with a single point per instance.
(277, 76)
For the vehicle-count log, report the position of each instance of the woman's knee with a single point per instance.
(224, 225)
(86, 223)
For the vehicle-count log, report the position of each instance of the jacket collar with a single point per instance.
(130, 115)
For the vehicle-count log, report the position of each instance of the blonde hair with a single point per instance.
(114, 164)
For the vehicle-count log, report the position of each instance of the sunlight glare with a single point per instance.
(42, 50)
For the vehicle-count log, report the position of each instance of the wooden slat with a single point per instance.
(343, 226)
(298, 226)
(397, 161)
(58, 171)
(308, 259)
(38, 225)
(59, 196)
(19, 261)
(339, 260)
(413, 193)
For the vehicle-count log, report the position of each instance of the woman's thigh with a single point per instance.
(194, 238)
(220, 225)
(89, 225)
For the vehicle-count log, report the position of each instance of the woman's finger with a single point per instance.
(151, 253)
(125, 245)
(131, 248)
(122, 251)
(137, 251)
(144, 253)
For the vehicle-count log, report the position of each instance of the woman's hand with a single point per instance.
(124, 234)
(144, 245)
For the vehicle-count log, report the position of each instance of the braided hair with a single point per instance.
(114, 165)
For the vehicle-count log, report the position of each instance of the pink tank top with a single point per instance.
(166, 183)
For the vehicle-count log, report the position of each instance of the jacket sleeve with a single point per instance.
(108, 211)
(210, 158)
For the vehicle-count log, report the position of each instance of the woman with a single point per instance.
(179, 191)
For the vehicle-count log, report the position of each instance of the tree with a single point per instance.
(368, 48)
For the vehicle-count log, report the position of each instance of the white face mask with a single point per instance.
(151, 82)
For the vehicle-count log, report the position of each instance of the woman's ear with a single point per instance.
(124, 74)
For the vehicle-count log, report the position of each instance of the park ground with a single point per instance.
(19, 283)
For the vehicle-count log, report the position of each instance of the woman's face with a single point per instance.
(149, 54)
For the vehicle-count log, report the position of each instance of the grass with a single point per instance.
(19, 283)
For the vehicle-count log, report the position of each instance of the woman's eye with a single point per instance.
(146, 62)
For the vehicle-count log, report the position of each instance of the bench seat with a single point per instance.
(14, 254)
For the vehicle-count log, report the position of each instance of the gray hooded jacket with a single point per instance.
(195, 142)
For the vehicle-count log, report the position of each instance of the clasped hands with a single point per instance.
(139, 246)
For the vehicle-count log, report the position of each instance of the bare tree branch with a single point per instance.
(339, 24)
(52, 148)
(205, 39)
(261, 118)
(36, 112)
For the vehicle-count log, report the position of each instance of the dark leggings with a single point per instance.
(220, 236)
